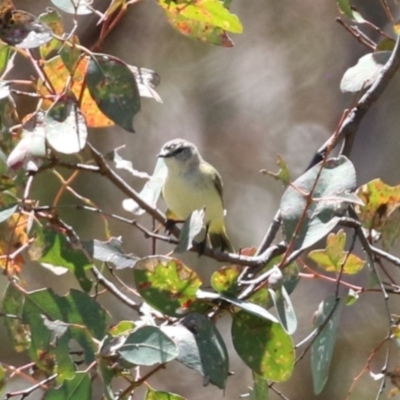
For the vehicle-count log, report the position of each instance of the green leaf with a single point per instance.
(284, 306)
(53, 20)
(89, 320)
(352, 297)
(3, 378)
(333, 258)
(198, 30)
(78, 7)
(122, 328)
(114, 89)
(211, 347)
(57, 252)
(66, 130)
(225, 280)
(283, 174)
(110, 252)
(270, 352)
(79, 387)
(12, 306)
(363, 75)
(148, 346)
(336, 178)
(322, 348)
(260, 388)
(380, 210)
(211, 12)
(157, 395)
(345, 8)
(5, 55)
(190, 229)
(107, 374)
(167, 284)
(350, 12)
(70, 54)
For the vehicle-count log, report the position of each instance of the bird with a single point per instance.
(192, 184)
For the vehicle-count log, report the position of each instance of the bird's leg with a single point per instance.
(170, 224)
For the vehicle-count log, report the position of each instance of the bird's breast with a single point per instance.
(185, 193)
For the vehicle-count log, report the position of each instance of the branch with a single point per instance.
(353, 119)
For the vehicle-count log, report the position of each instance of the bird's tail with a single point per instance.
(220, 240)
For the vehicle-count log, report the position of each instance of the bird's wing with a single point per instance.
(218, 184)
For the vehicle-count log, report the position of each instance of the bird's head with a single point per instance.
(180, 153)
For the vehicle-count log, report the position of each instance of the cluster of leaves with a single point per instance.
(69, 338)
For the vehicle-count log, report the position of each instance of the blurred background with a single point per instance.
(276, 91)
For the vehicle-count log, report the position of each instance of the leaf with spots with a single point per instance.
(264, 346)
(113, 86)
(211, 12)
(334, 259)
(188, 20)
(225, 280)
(167, 284)
(58, 74)
(53, 20)
(381, 210)
(327, 319)
(57, 252)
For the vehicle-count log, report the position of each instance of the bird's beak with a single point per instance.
(163, 154)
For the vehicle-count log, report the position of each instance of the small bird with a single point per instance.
(192, 184)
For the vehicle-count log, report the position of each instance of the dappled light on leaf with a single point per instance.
(19, 28)
(65, 126)
(334, 259)
(58, 74)
(111, 252)
(270, 352)
(167, 284)
(12, 237)
(55, 250)
(114, 89)
(204, 20)
(381, 210)
(53, 20)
